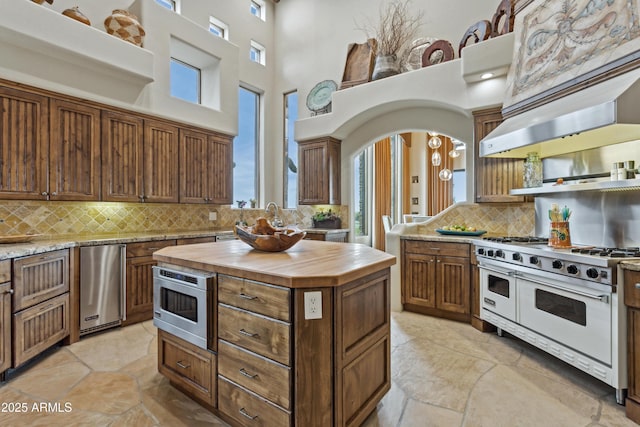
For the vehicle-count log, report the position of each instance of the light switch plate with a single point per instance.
(313, 305)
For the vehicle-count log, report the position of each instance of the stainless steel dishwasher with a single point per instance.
(102, 287)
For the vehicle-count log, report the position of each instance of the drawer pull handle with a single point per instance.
(247, 374)
(46, 307)
(246, 414)
(249, 334)
(153, 249)
(182, 365)
(638, 285)
(249, 297)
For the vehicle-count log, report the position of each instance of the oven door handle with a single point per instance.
(603, 298)
(507, 272)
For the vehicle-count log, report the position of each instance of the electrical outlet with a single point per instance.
(313, 305)
(213, 216)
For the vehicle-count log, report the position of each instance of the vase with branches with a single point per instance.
(394, 31)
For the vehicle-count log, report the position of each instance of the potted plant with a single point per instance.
(326, 219)
(393, 33)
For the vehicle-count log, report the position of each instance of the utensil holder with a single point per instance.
(559, 234)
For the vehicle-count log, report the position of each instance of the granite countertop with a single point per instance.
(633, 265)
(435, 237)
(326, 230)
(52, 243)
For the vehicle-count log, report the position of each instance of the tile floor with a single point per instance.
(444, 374)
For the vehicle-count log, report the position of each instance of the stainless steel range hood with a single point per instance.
(603, 114)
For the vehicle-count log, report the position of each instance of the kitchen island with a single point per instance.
(300, 338)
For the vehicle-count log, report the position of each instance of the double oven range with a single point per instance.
(567, 302)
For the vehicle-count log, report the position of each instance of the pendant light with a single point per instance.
(445, 174)
(436, 159)
(434, 142)
(454, 153)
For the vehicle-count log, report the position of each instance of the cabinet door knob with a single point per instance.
(10, 291)
(638, 285)
(44, 193)
(55, 193)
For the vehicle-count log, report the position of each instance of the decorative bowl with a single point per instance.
(264, 237)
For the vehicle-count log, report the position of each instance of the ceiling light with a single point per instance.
(436, 159)
(453, 153)
(434, 142)
(486, 76)
(445, 174)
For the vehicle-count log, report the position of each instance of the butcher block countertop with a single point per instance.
(307, 264)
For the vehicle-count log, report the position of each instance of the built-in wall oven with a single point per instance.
(566, 303)
(182, 301)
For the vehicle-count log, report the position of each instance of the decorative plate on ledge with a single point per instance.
(461, 233)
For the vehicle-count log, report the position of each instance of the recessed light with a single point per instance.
(486, 76)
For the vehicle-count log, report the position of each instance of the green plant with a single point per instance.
(323, 215)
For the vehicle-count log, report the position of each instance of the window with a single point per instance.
(362, 179)
(170, 4)
(256, 53)
(257, 9)
(185, 81)
(245, 146)
(218, 28)
(290, 151)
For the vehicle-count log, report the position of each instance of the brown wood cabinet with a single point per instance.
(74, 152)
(139, 159)
(319, 171)
(190, 368)
(495, 177)
(24, 141)
(632, 301)
(139, 278)
(5, 315)
(436, 279)
(206, 167)
(40, 303)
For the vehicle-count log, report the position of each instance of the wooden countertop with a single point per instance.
(307, 264)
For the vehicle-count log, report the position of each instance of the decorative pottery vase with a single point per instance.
(385, 66)
(125, 26)
(42, 1)
(74, 13)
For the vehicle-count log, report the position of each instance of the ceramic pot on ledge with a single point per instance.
(125, 26)
(385, 66)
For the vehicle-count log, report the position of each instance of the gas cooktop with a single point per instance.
(633, 252)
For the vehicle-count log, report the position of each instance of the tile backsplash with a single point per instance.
(60, 218)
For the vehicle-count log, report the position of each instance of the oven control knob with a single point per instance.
(500, 253)
(557, 264)
(592, 273)
(572, 269)
(534, 260)
(516, 257)
(480, 251)
(490, 252)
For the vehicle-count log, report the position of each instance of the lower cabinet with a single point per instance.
(139, 304)
(40, 303)
(5, 315)
(436, 278)
(341, 237)
(632, 301)
(189, 368)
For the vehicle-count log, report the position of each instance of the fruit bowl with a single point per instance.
(264, 237)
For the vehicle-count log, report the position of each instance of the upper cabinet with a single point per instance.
(160, 162)
(74, 155)
(206, 167)
(24, 139)
(494, 177)
(319, 172)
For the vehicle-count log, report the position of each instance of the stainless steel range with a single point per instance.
(567, 302)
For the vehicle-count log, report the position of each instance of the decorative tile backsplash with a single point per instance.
(59, 218)
(504, 219)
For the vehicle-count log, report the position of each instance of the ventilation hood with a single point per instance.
(604, 114)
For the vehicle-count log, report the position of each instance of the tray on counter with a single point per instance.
(461, 233)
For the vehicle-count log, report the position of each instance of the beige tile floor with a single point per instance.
(444, 374)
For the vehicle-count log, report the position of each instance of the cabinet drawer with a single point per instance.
(39, 327)
(437, 248)
(36, 278)
(249, 409)
(5, 270)
(272, 301)
(194, 240)
(147, 248)
(188, 366)
(265, 377)
(262, 335)
(631, 292)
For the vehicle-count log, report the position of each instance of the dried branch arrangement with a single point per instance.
(395, 29)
